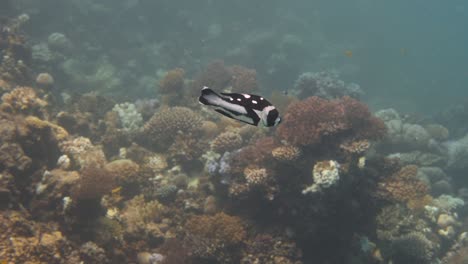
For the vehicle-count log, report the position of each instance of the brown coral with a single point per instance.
(123, 169)
(166, 124)
(220, 228)
(140, 217)
(93, 183)
(404, 186)
(356, 146)
(310, 121)
(172, 82)
(286, 153)
(226, 141)
(23, 100)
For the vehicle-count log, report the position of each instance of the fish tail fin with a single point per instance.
(208, 97)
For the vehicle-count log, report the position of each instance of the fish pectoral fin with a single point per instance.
(224, 113)
(227, 114)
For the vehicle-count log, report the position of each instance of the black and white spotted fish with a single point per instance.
(248, 108)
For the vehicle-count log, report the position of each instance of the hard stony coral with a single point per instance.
(220, 228)
(309, 121)
(123, 169)
(23, 100)
(166, 124)
(413, 247)
(25, 241)
(286, 153)
(185, 148)
(254, 154)
(267, 249)
(403, 186)
(215, 238)
(35, 124)
(243, 80)
(140, 217)
(94, 182)
(256, 176)
(326, 174)
(355, 147)
(172, 82)
(226, 141)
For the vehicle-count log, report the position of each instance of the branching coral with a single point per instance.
(309, 121)
(166, 124)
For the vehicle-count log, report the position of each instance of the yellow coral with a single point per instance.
(36, 123)
(255, 176)
(286, 153)
(23, 99)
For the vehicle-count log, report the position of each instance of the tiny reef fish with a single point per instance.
(248, 108)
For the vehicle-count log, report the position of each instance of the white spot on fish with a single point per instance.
(238, 99)
(254, 102)
(246, 96)
(230, 98)
(261, 98)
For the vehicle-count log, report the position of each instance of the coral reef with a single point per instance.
(162, 129)
(130, 119)
(312, 120)
(94, 182)
(404, 186)
(215, 237)
(226, 141)
(23, 100)
(325, 84)
(325, 174)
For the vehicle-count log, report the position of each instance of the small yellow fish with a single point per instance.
(348, 53)
(115, 191)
